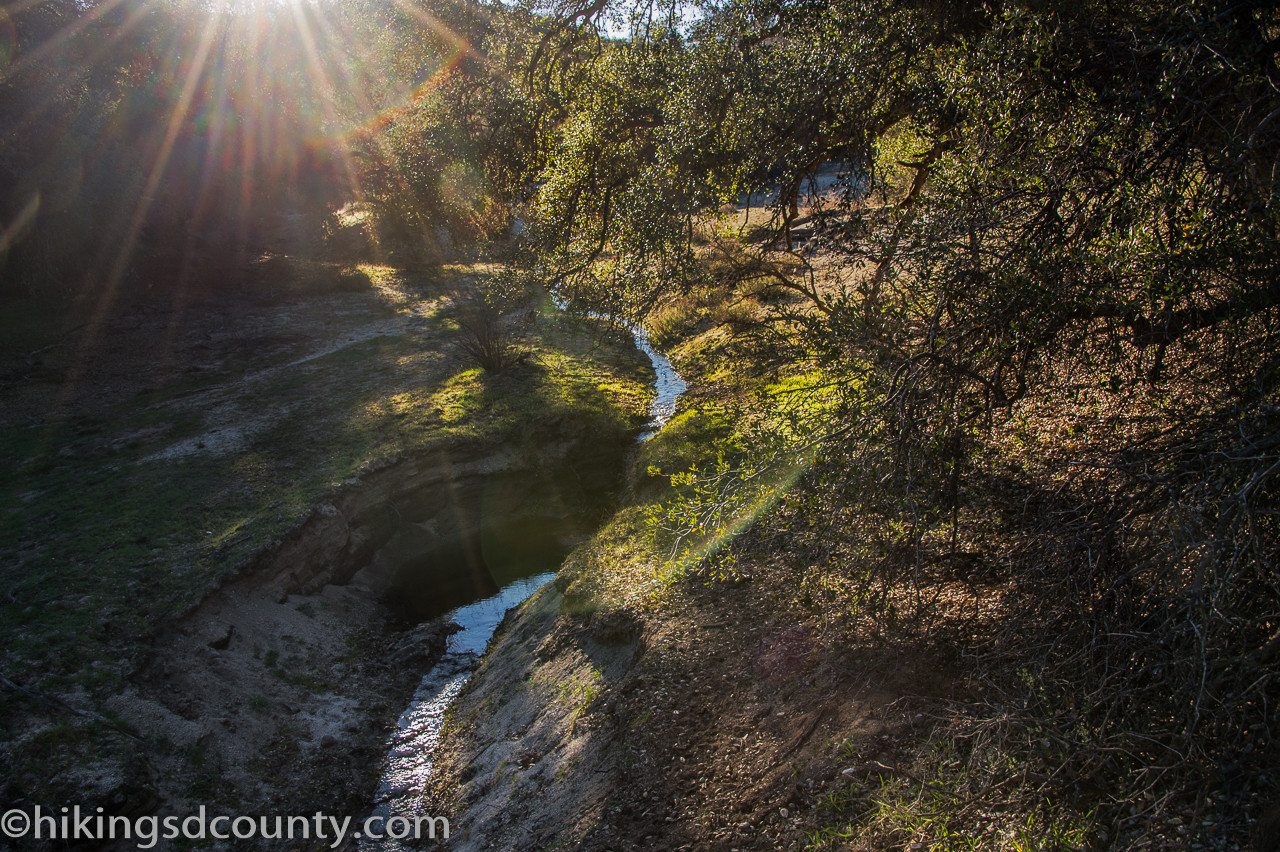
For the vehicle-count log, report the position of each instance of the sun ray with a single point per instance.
(364, 103)
(347, 69)
(214, 162)
(19, 128)
(326, 87)
(115, 273)
(461, 45)
(234, 95)
(249, 148)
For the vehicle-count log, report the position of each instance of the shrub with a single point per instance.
(489, 317)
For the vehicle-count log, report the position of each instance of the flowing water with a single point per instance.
(667, 383)
(408, 766)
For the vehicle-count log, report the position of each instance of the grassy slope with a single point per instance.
(809, 677)
(104, 538)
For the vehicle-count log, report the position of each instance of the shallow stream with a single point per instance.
(408, 766)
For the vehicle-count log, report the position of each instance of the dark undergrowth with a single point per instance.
(1097, 563)
(1107, 581)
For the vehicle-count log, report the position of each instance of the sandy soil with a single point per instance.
(285, 701)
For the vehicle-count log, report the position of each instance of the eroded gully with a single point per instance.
(408, 763)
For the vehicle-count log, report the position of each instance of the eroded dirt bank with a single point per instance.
(279, 689)
(194, 620)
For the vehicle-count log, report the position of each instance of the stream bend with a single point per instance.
(408, 764)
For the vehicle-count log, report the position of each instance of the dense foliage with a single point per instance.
(1040, 210)
(1054, 219)
(1040, 175)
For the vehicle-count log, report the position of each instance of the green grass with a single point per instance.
(103, 543)
(706, 480)
(941, 806)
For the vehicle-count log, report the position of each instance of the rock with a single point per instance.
(224, 642)
(422, 646)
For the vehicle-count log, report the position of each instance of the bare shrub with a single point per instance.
(490, 316)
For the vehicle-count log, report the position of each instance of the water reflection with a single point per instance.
(409, 749)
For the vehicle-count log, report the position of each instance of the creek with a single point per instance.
(484, 576)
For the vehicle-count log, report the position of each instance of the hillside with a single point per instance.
(965, 533)
(779, 643)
